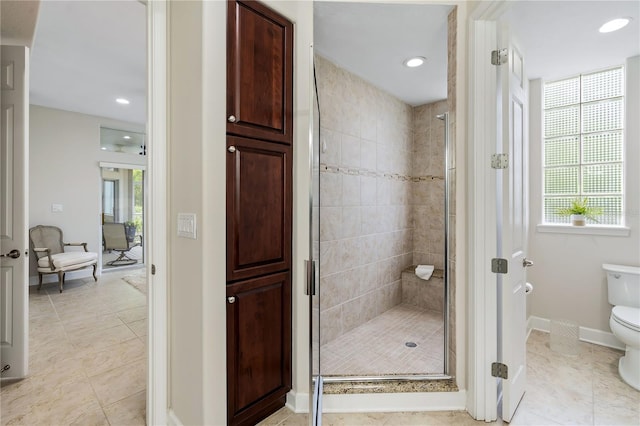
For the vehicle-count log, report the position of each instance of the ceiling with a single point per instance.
(86, 54)
(561, 38)
(372, 40)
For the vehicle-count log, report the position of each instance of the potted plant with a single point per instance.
(580, 211)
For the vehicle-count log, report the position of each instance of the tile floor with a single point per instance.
(562, 390)
(88, 368)
(87, 356)
(377, 347)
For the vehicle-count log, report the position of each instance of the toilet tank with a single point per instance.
(623, 284)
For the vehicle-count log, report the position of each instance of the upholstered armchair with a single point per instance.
(52, 258)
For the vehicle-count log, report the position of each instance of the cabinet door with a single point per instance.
(258, 347)
(258, 208)
(259, 73)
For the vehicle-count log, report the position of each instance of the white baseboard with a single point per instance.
(586, 334)
(297, 402)
(381, 402)
(172, 419)
(394, 402)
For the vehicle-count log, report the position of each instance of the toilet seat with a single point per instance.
(627, 316)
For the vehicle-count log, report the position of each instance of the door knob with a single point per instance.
(232, 119)
(231, 149)
(14, 254)
(526, 263)
(231, 299)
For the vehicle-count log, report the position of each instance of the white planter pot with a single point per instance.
(578, 220)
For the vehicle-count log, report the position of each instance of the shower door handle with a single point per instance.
(310, 266)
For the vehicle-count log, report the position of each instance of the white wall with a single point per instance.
(64, 157)
(197, 176)
(567, 277)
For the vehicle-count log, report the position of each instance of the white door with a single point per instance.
(14, 292)
(512, 223)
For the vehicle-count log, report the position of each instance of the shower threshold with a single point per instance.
(388, 384)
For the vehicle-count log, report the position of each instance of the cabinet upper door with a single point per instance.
(258, 208)
(259, 73)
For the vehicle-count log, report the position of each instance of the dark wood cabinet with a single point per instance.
(259, 334)
(259, 210)
(259, 72)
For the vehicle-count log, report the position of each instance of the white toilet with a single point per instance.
(624, 293)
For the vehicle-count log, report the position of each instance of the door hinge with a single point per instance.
(153, 269)
(500, 161)
(499, 369)
(499, 265)
(499, 57)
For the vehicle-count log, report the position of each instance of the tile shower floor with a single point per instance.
(379, 347)
(87, 356)
(561, 390)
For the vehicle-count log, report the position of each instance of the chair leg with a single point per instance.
(61, 279)
(40, 281)
(94, 272)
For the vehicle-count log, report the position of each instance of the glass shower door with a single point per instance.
(313, 266)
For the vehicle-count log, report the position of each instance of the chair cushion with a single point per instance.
(68, 260)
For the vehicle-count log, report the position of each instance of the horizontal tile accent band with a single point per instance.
(327, 168)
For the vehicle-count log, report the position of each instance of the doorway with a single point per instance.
(382, 162)
(122, 215)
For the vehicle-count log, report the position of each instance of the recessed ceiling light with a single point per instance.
(123, 101)
(416, 61)
(127, 137)
(614, 25)
(104, 148)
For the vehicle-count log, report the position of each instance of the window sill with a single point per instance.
(611, 231)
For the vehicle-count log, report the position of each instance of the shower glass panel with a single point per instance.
(315, 418)
(381, 164)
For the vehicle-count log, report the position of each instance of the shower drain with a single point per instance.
(411, 344)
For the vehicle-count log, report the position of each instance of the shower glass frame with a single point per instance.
(316, 378)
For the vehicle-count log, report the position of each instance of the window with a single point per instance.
(583, 145)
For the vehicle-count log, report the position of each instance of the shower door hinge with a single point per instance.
(500, 161)
(499, 369)
(499, 266)
(499, 57)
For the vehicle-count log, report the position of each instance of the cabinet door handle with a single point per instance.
(232, 119)
(231, 299)
(231, 149)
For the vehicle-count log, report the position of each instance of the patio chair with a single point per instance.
(52, 258)
(115, 238)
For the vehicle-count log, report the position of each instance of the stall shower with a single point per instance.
(385, 206)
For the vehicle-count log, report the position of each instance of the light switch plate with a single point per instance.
(187, 225)
(56, 208)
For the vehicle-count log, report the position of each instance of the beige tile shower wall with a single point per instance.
(452, 46)
(428, 192)
(365, 195)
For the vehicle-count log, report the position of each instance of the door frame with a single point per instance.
(481, 197)
(156, 204)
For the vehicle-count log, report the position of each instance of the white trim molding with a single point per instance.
(586, 334)
(297, 402)
(156, 225)
(172, 419)
(610, 231)
(394, 402)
